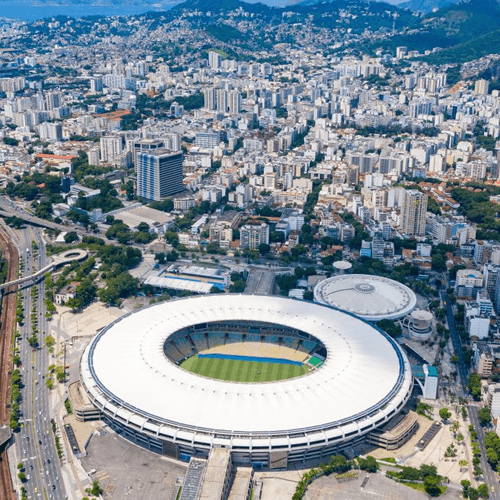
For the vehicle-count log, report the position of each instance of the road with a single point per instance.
(10, 208)
(456, 341)
(34, 442)
(489, 476)
(260, 281)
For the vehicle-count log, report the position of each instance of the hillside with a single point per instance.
(460, 32)
(426, 5)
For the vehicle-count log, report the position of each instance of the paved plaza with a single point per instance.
(126, 471)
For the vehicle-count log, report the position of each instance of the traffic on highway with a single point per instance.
(34, 443)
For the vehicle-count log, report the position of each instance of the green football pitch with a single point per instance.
(242, 371)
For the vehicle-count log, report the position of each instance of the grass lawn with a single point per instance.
(421, 487)
(242, 371)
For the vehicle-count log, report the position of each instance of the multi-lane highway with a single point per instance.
(35, 445)
(488, 474)
(9, 208)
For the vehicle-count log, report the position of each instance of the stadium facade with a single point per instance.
(130, 372)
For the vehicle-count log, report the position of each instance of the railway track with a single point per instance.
(7, 324)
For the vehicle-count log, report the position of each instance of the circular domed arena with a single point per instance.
(369, 297)
(275, 380)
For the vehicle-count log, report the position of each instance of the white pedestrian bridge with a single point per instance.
(58, 260)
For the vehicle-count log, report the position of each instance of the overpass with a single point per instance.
(59, 260)
(7, 209)
(5, 435)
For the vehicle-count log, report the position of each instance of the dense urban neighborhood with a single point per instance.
(251, 252)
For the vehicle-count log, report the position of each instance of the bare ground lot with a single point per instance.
(126, 471)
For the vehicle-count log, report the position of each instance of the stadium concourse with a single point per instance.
(351, 378)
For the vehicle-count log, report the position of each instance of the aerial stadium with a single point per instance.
(369, 297)
(275, 380)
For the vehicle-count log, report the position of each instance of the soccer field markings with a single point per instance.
(242, 371)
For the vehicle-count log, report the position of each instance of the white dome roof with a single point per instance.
(370, 297)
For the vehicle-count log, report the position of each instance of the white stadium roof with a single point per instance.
(365, 375)
(370, 297)
(190, 285)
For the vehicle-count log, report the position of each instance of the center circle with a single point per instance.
(364, 288)
(244, 352)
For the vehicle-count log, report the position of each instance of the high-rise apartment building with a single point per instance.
(159, 174)
(96, 85)
(413, 213)
(481, 87)
(210, 100)
(50, 131)
(491, 274)
(214, 59)
(234, 101)
(251, 236)
(111, 149)
(221, 104)
(209, 139)
(93, 156)
(222, 100)
(53, 100)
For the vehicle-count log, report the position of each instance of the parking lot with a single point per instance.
(128, 471)
(367, 486)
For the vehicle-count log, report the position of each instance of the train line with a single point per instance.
(7, 325)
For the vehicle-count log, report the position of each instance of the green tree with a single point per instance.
(369, 464)
(172, 238)
(85, 293)
(492, 455)
(392, 328)
(410, 474)
(160, 257)
(338, 463)
(438, 262)
(286, 282)
(49, 341)
(465, 483)
(444, 413)
(428, 470)
(484, 415)
(60, 373)
(474, 386)
(118, 287)
(264, 248)
(70, 237)
(482, 489)
(432, 485)
(95, 490)
(473, 494)
(238, 286)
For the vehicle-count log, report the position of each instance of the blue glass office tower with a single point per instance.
(159, 174)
